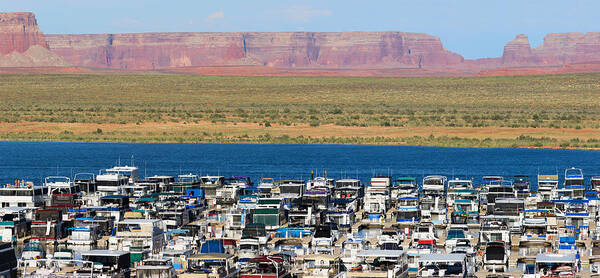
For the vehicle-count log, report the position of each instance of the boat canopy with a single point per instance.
(266, 259)
(381, 253)
(212, 246)
(555, 258)
(439, 258)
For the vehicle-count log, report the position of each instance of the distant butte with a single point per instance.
(392, 53)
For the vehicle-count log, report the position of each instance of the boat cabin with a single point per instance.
(556, 265)
(266, 267)
(22, 194)
(443, 265)
(153, 268)
(380, 263)
(106, 262)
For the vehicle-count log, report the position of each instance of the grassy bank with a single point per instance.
(552, 111)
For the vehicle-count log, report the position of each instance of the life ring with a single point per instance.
(479, 253)
(550, 237)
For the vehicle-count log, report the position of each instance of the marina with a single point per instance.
(126, 221)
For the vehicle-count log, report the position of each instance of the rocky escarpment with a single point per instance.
(569, 48)
(22, 44)
(518, 51)
(557, 50)
(18, 32)
(283, 50)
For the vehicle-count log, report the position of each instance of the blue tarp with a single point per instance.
(578, 214)
(212, 246)
(407, 198)
(567, 239)
(292, 233)
(566, 247)
(407, 220)
(575, 201)
(114, 197)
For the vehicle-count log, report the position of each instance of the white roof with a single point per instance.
(138, 221)
(110, 177)
(434, 258)
(434, 177)
(123, 168)
(457, 180)
(555, 258)
(381, 253)
(348, 180)
(14, 209)
(103, 253)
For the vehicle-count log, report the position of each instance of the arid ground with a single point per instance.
(501, 111)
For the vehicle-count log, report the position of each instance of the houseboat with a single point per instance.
(433, 199)
(138, 237)
(377, 199)
(266, 267)
(106, 263)
(108, 183)
(495, 258)
(60, 185)
(23, 194)
(381, 263)
(443, 265)
(546, 186)
(155, 268)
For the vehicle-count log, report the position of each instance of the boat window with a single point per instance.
(248, 247)
(496, 237)
(107, 183)
(494, 253)
(105, 260)
(433, 182)
(254, 231)
(290, 189)
(423, 229)
(24, 193)
(573, 182)
(8, 259)
(455, 233)
(129, 228)
(323, 232)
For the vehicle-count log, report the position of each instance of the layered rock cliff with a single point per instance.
(569, 48)
(285, 50)
(518, 51)
(557, 50)
(18, 32)
(22, 44)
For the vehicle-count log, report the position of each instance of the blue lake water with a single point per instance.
(35, 160)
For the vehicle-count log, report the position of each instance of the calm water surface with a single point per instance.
(35, 160)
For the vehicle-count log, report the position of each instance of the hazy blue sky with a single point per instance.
(473, 28)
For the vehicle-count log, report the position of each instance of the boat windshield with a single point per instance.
(456, 233)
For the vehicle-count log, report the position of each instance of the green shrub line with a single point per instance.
(440, 141)
(570, 101)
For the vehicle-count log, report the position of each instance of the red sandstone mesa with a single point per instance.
(22, 44)
(281, 50)
(18, 32)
